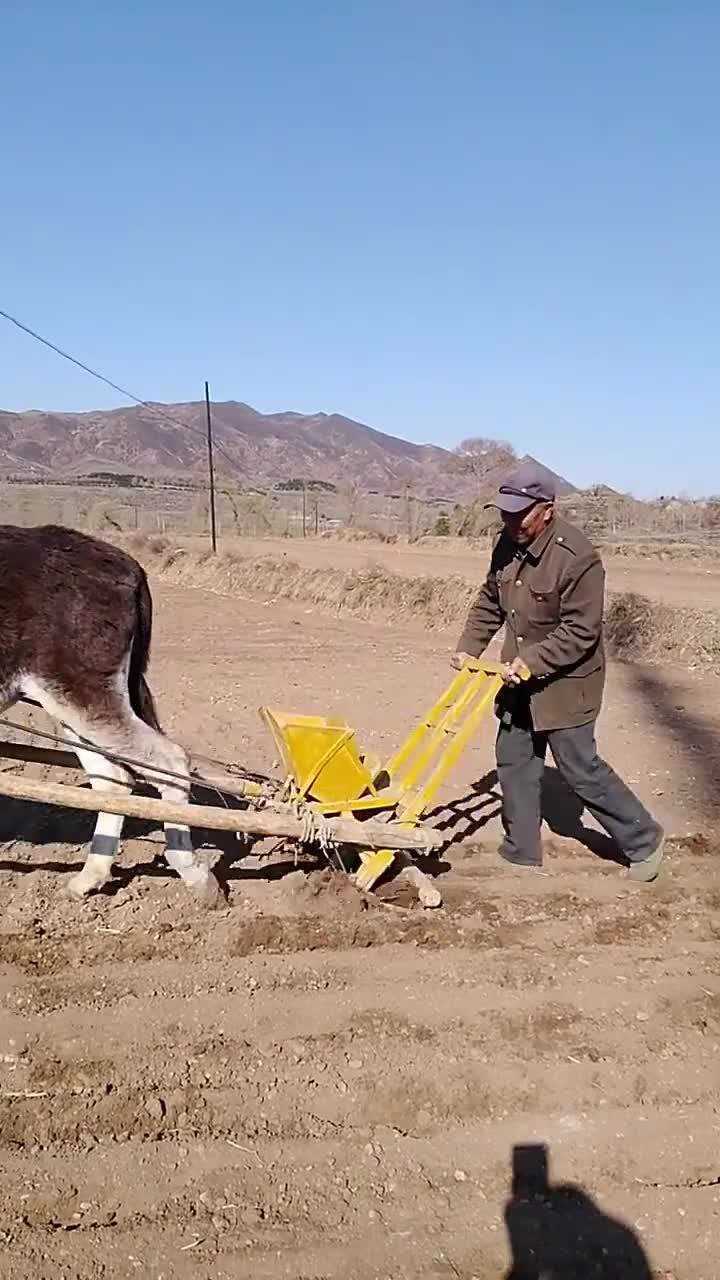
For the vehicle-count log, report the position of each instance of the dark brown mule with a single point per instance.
(75, 633)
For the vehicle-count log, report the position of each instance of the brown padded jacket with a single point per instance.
(550, 597)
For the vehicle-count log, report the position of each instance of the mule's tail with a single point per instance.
(141, 699)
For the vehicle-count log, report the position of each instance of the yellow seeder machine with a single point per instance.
(327, 771)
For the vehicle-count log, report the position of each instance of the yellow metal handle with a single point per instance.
(492, 668)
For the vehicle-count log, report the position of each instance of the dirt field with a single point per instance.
(307, 1086)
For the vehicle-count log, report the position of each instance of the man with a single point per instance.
(546, 584)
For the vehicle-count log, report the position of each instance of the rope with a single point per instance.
(139, 766)
(315, 828)
(243, 774)
(196, 755)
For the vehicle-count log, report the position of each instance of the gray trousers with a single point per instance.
(520, 763)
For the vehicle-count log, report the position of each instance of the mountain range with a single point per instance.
(251, 448)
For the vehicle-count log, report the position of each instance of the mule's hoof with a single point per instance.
(206, 888)
(429, 896)
(78, 888)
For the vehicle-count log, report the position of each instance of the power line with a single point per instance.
(129, 395)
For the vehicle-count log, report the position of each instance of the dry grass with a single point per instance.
(141, 544)
(436, 601)
(637, 629)
(662, 550)
(361, 535)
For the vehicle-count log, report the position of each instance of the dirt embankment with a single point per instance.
(637, 628)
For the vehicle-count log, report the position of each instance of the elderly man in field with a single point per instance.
(546, 583)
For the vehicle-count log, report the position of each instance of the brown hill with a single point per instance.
(252, 448)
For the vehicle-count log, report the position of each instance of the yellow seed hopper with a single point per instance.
(325, 767)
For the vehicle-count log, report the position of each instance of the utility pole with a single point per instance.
(304, 509)
(213, 527)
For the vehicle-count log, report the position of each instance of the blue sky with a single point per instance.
(443, 219)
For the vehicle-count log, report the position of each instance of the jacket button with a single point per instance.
(518, 583)
(520, 639)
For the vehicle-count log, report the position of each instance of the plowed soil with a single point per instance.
(311, 1084)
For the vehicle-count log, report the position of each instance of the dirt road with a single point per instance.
(301, 1087)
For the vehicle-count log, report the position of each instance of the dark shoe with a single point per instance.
(517, 860)
(648, 869)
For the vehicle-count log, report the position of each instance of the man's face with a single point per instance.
(525, 526)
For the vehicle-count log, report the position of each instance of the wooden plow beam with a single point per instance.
(276, 822)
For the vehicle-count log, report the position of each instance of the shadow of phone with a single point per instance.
(558, 1232)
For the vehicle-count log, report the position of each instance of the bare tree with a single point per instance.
(711, 514)
(478, 456)
(350, 497)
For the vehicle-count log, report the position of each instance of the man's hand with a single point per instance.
(458, 660)
(516, 672)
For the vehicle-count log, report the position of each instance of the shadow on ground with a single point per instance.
(697, 738)
(464, 818)
(558, 1232)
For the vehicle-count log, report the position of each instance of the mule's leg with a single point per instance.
(174, 786)
(112, 725)
(104, 775)
(162, 763)
(165, 765)
(78, 725)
